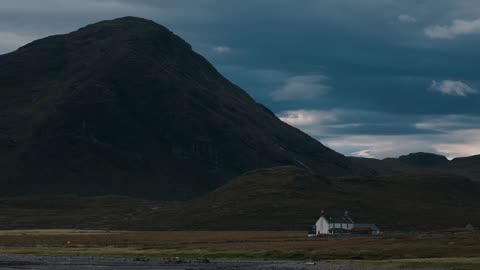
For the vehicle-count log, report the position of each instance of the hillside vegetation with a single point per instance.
(290, 198)
(280, 198)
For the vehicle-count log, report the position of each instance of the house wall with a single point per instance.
(322, 226)
(347, 226)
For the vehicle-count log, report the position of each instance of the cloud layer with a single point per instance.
(10, 40)
(405, 18)
(353, 134)
(457, 28)
(452, 88)
(222, 49)
(302, 87)
(377, 78)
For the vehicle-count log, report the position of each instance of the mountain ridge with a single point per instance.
(422, 161)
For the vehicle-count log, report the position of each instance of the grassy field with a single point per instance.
(449, 249)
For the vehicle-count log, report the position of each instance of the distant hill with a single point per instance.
(127, 107)
(423, 162)
(280, 198)
(291, 198)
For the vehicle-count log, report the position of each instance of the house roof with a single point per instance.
(372, 227)
(361, 229)
(344, 219)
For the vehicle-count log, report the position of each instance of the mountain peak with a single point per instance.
(125, 24)
(128, 29)
(129, 19)
(423, 159)
(109, 34)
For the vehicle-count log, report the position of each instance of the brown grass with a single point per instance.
(455, 249)
(243, 244)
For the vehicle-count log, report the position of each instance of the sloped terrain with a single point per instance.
(280, 198)
(290, 198)
(423, 163)
(126, 107)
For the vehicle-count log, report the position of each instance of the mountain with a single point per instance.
(423, 162)
(469, 166)
(127, 107)
(278, 198)
(424, 159)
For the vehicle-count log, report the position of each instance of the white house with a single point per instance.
(344, 224)
(329, 225)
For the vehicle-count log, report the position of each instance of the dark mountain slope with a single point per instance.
(469, 166)
(291, 198)
(127, 107)
(280, 198)
(423, 162)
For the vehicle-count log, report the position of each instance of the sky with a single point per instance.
(370, 78)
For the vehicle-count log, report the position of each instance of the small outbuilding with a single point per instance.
(371, 229)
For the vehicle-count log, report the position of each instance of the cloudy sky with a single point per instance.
(372, 78)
